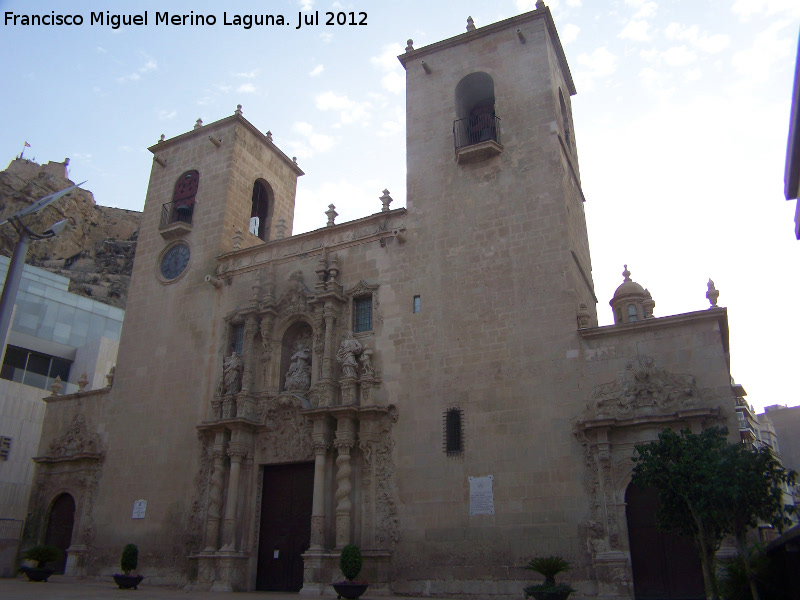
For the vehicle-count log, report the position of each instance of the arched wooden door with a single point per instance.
(665, 566)
(59, 528)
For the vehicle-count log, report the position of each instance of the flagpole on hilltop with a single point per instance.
(26, 145)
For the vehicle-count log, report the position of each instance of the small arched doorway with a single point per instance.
(59, 528)
(665, 566)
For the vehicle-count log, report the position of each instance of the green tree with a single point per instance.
(683, 470)
(752, 488)
(708, 488)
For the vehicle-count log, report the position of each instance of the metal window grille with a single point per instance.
(362, 314)
(5, 447)
(238, 339)
(453, 431)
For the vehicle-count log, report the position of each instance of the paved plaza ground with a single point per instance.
(59, 587)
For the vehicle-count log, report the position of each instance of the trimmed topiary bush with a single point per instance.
(130, 559)
(350, 562)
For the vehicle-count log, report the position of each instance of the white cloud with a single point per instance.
(768, 48)
(387, 59)
(747, 8)
(678, 56)
(349, 110)
(306, 5)
(149, 65)
(635, 30)
(251, 75)
(600, 63)
(163, 115)
(317, 70)
(394, 83)
(644, 8)
(569, 33)
(312, 142)
(710, 44)
(325, 37)
(246, 88)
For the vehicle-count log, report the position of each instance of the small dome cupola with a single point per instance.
(631, 302)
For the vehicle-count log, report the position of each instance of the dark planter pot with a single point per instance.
(349, 590)
(37, 573)
(128, 582)
(559, 592)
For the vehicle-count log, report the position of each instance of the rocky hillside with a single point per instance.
(96, 248)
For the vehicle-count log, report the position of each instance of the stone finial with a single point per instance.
(583, 316)
(648, 304)
(540, 5)
(712, 294)
(280, 229)
(110, 376)
(332, 214)
(56, 386)
(294, 159)
(386, 200)
(410, 46)
(82, 382)
(238, 238)
(470, 24)
(626, 274)
(198, 124)
(238, 110)
(333, 271)
(162, 138)
(269, 136)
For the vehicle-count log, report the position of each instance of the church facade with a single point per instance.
(427, 382)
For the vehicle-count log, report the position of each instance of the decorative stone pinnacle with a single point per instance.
(198, 124)
(712, 294)
(540, 4)
(280, 229)
(269, 136)
(238, 110)
(332, 214)
(238, 237)
(56, 386)
(82, 382)
(470, 24)
(163, 137)
(110, 376)
(410, 46)
(386, 200)
(626, 274)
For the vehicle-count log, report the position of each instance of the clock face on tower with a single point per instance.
(174, 261)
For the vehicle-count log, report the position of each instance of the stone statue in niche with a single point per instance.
(349, 350)
(298, 377)
(366, 363)
(232, 368)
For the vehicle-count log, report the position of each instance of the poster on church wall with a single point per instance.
(481, 496)
(139, 509)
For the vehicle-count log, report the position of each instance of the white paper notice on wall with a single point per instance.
(481, 496)
(139, 508)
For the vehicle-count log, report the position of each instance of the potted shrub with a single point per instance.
(549, 566)
(128, 563)
(40, 555)
(350, 564)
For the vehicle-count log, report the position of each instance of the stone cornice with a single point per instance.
(205, 130)
(718, 314)
(312, 243)
(512, 24)
(648, 420)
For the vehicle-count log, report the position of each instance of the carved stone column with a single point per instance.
(250, 328)
(329, 315)
(321, 445)
(345, 440)
(215, 494)
(237, 451)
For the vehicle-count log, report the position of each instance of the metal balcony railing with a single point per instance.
(474, 130)
(176, 212)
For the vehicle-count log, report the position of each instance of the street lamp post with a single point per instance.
(17, 264)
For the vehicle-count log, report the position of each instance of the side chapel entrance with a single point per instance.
(285, 531)
(665, 566)
(59, 528)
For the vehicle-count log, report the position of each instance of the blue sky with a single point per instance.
(681, 120)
